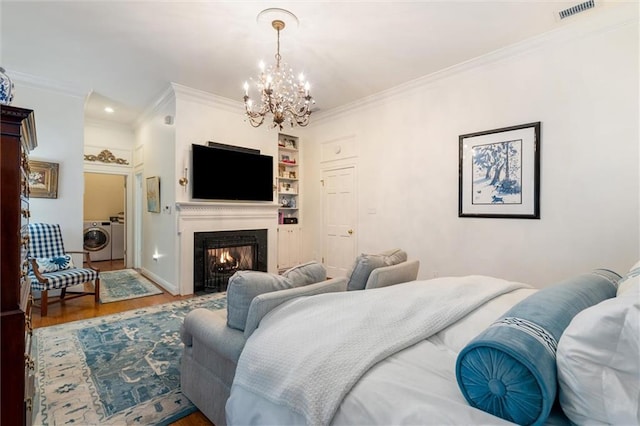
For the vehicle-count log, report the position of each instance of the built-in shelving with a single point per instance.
(288, 180)
(289, 192)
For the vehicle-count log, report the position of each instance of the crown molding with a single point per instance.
(162, 100)
(617, 17)
(175, 91)
(42, 83)
(107, 124)
(206, 98)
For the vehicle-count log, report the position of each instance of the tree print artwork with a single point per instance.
(497, 173)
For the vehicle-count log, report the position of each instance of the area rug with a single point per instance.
(125, 284)
(116, 369)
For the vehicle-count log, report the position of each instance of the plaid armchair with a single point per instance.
(51, 267)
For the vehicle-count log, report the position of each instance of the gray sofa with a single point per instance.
(213, 340)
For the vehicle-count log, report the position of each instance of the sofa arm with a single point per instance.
(394, 274)
(210, 329)
(264, 303)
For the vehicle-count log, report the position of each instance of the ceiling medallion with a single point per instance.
(281, 94)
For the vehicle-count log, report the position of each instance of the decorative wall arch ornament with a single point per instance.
(106, 156)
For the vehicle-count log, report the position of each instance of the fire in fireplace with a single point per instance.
(218, 255)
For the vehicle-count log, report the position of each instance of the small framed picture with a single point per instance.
(499, 173)
(43, 179)
(153, 194)
(292, 175)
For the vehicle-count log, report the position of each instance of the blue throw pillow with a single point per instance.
(509, 370)
(53, 264)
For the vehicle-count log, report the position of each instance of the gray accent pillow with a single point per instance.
(265, 303)
(306, 273)
(243, 287)
(365, 263)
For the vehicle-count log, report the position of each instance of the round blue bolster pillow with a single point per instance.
(509, 370)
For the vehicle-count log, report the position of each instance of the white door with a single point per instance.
(339, 219)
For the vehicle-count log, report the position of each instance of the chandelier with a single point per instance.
(283, 95)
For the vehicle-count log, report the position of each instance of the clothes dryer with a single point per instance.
(97, 239)
(117, 240)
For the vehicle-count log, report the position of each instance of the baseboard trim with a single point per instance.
(171, 288)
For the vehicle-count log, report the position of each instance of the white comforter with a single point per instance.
(308, 354)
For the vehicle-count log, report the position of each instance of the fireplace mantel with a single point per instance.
(199, 206)
(204, 216)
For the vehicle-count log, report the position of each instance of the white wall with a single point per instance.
(156, 141)
(59, 117)
(202, 117)
(109, 135)
(581, 84)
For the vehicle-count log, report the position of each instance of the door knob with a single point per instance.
(350, 232)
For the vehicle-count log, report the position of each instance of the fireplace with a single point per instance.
(218, 255)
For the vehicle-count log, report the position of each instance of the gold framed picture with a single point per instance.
(43, 179)
(153, 194)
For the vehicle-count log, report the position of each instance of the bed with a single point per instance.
(402, 355)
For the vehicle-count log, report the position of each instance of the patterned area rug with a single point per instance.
(125, 284)
(116, 369)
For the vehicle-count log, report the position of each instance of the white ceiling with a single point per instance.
(127, 52)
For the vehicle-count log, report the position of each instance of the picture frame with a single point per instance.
(499, 173)
(153, 194)
(43, 179)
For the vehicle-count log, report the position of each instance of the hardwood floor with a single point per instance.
(84, 307)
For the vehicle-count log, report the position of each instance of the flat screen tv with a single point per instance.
(226, 174)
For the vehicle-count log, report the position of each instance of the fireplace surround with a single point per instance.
(203, 216)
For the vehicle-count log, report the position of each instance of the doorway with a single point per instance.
(137, 224)
(105, 202)
(339, 220)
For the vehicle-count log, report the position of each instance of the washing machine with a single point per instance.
(97, 239)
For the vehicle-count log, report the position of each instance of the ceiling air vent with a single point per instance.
(590, 4)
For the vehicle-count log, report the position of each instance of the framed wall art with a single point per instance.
(43, 179)
(499, 173)
(153, 194)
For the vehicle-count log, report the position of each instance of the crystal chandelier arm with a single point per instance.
(301, 116)
(255, 118)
